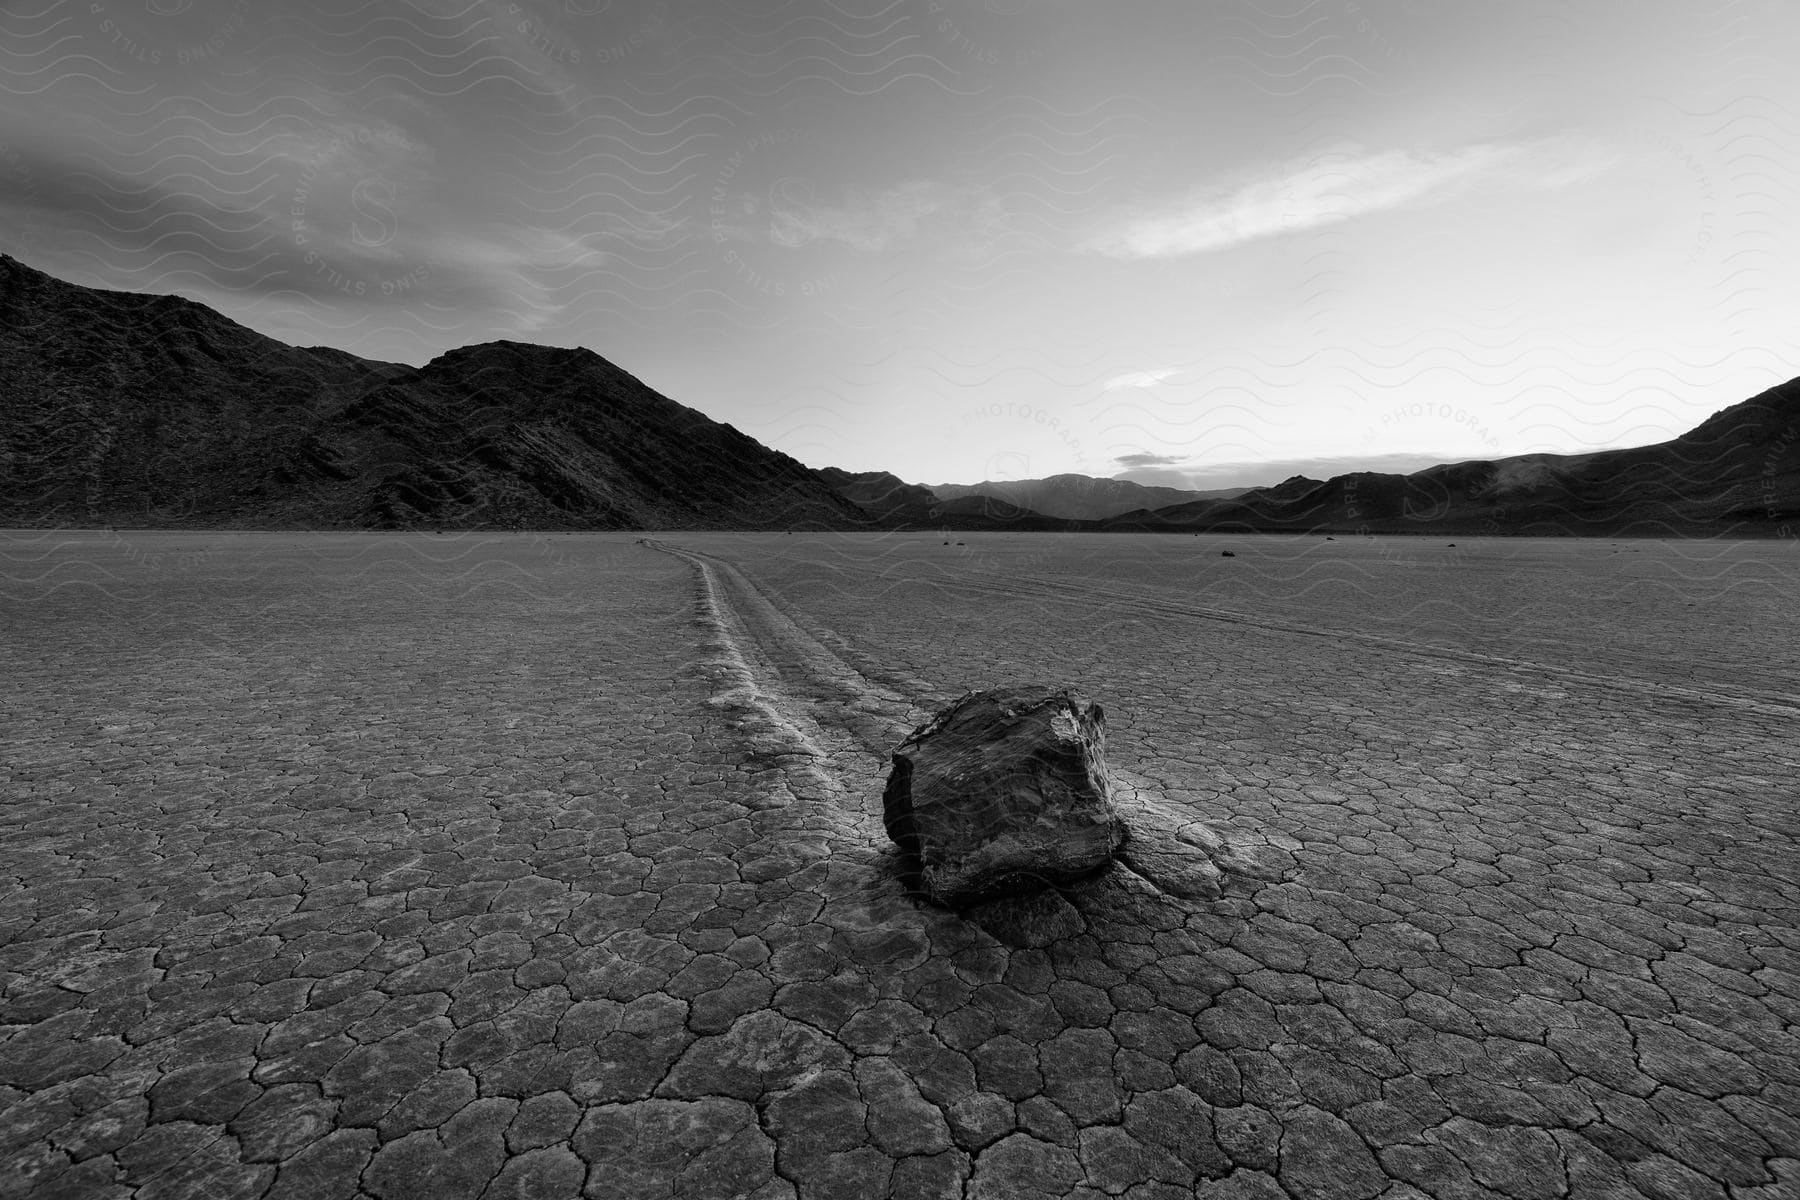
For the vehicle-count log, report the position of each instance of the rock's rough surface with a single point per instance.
(1004, 792)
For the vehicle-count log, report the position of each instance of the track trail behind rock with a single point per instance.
(1540, 678)
(832, 726)
(826, 709)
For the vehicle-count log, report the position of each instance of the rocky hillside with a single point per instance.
(1244, 500)
(1736, 474)
(1078, 497)
(139, 411)
(154, 411)
(893, 504)
(880, 493)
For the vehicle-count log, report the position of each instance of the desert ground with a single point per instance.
(401, 865)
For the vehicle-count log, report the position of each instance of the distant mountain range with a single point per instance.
(1737, 474)
(1079, 497)
(136, 410)
(897, 504)
(880, 493)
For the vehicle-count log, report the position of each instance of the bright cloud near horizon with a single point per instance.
(1339, 187)
(1194, 245)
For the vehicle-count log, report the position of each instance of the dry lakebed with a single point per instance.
(524, 865)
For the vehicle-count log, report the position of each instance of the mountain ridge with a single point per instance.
(136, 409)
(125, 408)
(1072, 496)
(1736, 473)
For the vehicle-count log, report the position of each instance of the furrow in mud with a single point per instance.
(1114, 599)
(832, 720)
(832, 727)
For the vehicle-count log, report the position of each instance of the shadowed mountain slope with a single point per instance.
(119, 407)
(894, 504)
(154, 411)
(978, 507)
(880, 493)
(137, 410)
(1735, 474)
(1078, 497)
(1251, 500)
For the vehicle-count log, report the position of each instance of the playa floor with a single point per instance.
(390, 865)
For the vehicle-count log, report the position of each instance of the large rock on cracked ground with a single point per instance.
(1004, 792)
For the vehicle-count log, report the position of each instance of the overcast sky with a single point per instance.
(1188, 242)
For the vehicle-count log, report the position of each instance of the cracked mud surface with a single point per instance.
(338, 865)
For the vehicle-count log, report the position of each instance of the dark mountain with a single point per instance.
(120, 407)
(1263, 499)
(878, 492)
(1291, 488)
(137, 410)
(894, 504)
(1079, 497)
(1735, 474)
(982, 508)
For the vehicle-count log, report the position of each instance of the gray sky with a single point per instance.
(1202, 244)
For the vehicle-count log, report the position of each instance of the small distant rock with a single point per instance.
(1004, 792)
(1227, 554)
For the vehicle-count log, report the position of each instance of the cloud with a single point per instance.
(1204, 476)
(84, 210)
(1149, 460)
(794, 214)
(1337, 187)
(1140, 379)
(321, 223)
(649, 230)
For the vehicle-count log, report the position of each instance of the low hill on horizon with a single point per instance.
(1078, 497)
(1737, 473)
(878, 492)
(139, 410)
(895, 504)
